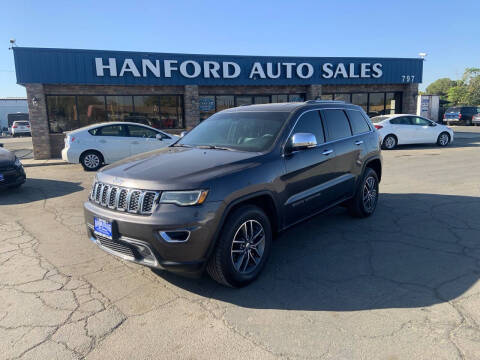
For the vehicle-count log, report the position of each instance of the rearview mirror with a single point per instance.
(303, 141)
(183, 133)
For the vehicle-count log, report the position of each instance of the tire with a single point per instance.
(443, 139)
(91, 160)
(360, 206)
(389, 142)
(228, 265)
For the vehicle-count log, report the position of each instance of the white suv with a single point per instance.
(20, 128)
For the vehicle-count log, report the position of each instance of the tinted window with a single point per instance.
(22, 123)
(140, 131)
(419, 121)
(310, 122)
(337, 124)
(111, 130)
(358, 122)
(401, 121)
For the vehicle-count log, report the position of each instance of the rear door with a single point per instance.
(111, 141)
(308, 171)
(339, 135)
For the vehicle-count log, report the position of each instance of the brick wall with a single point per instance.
(190, 101)
(38, 121)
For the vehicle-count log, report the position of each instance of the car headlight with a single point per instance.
(17, 162)
(184, 198)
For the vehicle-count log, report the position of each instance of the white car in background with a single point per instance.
(21, 127)
(95, 145)
(401, 129)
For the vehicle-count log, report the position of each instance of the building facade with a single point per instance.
(11, 105)
(68, 89)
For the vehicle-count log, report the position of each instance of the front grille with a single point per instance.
(115, 246)
(122, 199)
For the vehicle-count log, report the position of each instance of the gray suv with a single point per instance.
(215, 199)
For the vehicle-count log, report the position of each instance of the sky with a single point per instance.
(448, 31)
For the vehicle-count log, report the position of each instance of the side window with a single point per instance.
(358, 122)
(337, 124)
(310, 122)
(140, 131)
(419, 121)
(110, 130)
(401, 121)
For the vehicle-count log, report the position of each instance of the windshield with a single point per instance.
(244, 131)
(377, 119)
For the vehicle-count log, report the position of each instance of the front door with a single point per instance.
(307, 171)
(423, 132)
(112, 142)
(142, 139)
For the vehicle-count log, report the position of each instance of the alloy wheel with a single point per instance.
(370, 194)
(248, 246)
(390, 142)
(443, 139)
(91, 161)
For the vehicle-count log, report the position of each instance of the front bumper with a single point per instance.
(138, 238)
(13, 176)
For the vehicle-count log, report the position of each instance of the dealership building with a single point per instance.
(70, 88)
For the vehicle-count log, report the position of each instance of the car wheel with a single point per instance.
(242, 249)
(365, 200)
(443, 139)
(390, 142)
(91, 160)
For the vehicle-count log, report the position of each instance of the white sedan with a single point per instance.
(401, 129)
(106, 143)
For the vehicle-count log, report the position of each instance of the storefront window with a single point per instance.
(393, 103)
(62, 113)
(326, 97)
(360, 99)
(169, 116)
(262, 99)
(296, 98)
(279, 98)
(225, 102)
(342, 97)
(91, 109)
(206, 105)
(147, 111)
(376, 104)
(244, 100)
(119, 107)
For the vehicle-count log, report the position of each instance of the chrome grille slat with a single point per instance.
(118, 198)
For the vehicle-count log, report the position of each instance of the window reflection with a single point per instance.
(360, 99)
(393, 103)
(91, 109)
(62, 113)
(119, 107)
(376, 104)
(342, 97)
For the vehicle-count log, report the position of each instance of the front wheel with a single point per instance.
(365, 200)
(243, 247)
(390, 142)
(443, 139)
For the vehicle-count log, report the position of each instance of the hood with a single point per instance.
(6, 157)
(176, 168)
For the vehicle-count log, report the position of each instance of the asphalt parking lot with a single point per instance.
(403, 284)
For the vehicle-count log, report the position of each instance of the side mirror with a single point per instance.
(159, 137)
(433, 124)
(183, 133)
(303, 141)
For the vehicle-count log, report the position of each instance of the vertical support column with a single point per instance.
(409, 101)
(192, 112)
(314, 92)
(38, 121)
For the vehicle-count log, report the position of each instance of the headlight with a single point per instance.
(17, 162)
(184, 198)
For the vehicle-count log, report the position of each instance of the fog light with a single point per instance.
(175, 235)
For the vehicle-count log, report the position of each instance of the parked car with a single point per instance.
(12, 174)
(476, 119)
(460, 115)
(215, 199)
(21, 128)
(401, 129)
(95, 145)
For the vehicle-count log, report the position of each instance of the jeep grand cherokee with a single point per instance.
(214, 199)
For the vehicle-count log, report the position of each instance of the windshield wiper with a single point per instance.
(214, 147)
(182, 145)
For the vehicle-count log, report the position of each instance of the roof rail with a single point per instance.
(325, 101)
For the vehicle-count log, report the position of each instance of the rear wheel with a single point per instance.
(390, 142)
(443, 139)
(91, 160)
(242, 249)
(365, 200)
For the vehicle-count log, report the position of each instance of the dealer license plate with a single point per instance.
(102, 227)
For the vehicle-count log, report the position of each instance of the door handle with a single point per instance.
(327, 152)
(359, 142)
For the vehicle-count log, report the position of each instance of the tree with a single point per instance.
(441, 87)
(458, 95)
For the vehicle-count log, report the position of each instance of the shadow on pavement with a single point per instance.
(37, 189)
(457, 143)
(417, 250)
